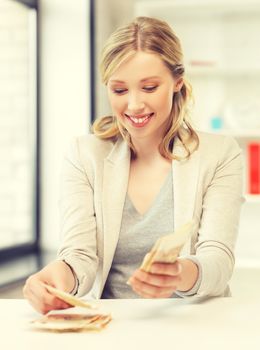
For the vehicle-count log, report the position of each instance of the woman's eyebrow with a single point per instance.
(142, 80)
(150, 78)
(116, 81)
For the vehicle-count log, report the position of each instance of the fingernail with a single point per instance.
(129, 282)
(152, 269)
(179, 269)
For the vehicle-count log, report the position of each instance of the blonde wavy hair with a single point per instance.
(152, 36)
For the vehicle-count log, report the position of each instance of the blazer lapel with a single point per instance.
(185, 179)
(115, 182)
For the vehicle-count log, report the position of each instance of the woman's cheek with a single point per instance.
(118, 107)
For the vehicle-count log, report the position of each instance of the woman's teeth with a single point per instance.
(138, 120)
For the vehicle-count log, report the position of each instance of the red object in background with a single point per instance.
(254, 168)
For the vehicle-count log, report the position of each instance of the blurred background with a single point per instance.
(50, 91)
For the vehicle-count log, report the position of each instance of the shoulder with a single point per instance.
(90, 148)
(217, 144)
(91, 144)
(213, 139)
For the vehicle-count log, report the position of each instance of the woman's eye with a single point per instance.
(119, 91)
(150, 88)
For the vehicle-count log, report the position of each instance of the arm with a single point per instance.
(219, 222)
(78, 223)
(75, 268)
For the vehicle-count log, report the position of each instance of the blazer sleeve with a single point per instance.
(219, 222)
(77, 219)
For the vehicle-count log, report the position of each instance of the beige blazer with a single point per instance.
(207, 188)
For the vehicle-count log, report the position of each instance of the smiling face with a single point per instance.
(140, 92)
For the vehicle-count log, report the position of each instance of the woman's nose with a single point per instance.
(135, 103)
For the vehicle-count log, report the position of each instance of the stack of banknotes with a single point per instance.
(64, 321)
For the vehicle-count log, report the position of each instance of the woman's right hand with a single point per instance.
(56, 274)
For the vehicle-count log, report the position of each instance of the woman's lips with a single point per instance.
(140, 120)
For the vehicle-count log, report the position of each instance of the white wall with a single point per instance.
(65, 98)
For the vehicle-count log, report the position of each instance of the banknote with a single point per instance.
(71, 322)
(167, 248)
(68, 298)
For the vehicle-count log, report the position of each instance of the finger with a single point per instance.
(151, 296)
(153, 291)
(156, 279)
(36, 302)
(170, 269)
(38, 292)
(38, 305)
(55, 300)
(142, 294)
(139, 290)
(42, 306)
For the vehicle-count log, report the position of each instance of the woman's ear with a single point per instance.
(178, 85)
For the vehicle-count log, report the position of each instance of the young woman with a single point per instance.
(143, 173)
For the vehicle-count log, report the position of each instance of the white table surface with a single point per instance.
(217, 323)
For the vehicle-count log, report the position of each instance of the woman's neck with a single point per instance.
(147, 150)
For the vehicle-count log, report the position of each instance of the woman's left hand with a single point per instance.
(164, 279)
(161, 282)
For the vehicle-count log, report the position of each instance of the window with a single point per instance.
(18, 129)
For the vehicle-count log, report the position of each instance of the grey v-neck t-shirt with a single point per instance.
(137, 236)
